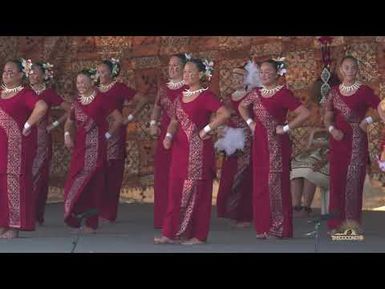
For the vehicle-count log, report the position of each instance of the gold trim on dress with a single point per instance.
(357, 161)
(11, 129)
(275, 164)
(90, 158)
(195, 168)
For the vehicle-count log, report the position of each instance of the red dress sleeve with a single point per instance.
(173, 108)
(211, 102)
(108, 105)
(371, 98)
(30, 99)
(128, 92)
(53, 99)
(289, 101)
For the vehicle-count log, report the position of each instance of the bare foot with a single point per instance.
(104, 221)
(272, 237)
(10, 234)
(193, 241)
(74, 230)
(88, 230)
(164, 240)
(242, 225)
(3, 230)
(261, 236)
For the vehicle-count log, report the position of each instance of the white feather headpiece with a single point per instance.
(252, 78)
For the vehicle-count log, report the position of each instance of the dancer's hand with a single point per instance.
(364, 125)
(154, 131)
(279, 129)
(68, 141)
(252, 127)
(381, 164)
(221, 131)
(26, 129)
(167, 143)
(203, 135)
(50, 128)
(337, 134)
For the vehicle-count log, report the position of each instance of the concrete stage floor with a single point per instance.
(133, 233)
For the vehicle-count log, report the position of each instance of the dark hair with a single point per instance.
(198, 63)
(43, 70)
(18, 63)
(40, 65)
(87, 72)
(110, 66)
(273, 63)
(349, 57)
(201, 67)
(181, 57)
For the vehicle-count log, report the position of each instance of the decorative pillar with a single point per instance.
(326, 59)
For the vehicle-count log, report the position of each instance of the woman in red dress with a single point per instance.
(167, 93)
(118, 94)
(86, 176)
(39, 78)
(272, 151)
(381, 156)
(192, 166)
(346, 106)
(234, 200)
(20, 110)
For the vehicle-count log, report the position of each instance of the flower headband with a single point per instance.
(209, 68)
(48, 71)
(27, 66)
(93, 74)
(281, 65)
(115, 67)
(46, 68)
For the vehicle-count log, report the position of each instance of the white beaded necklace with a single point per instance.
(87, 99)
(349, 89)
(175, 85)
(270, 91)
(189, 93)
(11, 90)
(40, 90)
(104, 88)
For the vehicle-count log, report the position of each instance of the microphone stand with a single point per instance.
(317, 225)
(82, 217)
(315, 233)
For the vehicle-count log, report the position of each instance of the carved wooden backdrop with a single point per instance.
(144, 60)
